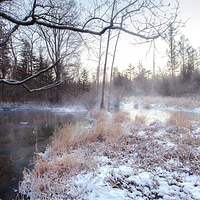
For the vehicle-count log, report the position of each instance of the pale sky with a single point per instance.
(189, 11)
(127, 53)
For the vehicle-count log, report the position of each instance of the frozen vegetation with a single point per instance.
(119, 158)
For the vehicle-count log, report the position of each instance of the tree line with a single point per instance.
(42, 42)
(27, 61)
(180, 77)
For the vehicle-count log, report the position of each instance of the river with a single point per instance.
(22, 133)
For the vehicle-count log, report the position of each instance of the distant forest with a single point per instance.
(33, 49)
(181, 78)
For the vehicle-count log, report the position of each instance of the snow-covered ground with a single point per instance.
(119, 158)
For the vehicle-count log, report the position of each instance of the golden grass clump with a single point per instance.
(140, 120)
(69, 163)
(179, 119)
(105, 128)
(99, 115)
(63, 139)
(103, 131)
(120, 117)
(49, 178)
(69, 155)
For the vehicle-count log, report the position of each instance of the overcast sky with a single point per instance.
(189, 11)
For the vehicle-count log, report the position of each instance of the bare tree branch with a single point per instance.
(16, 82)
(134, 21)
(46, 87)
(15, 20)
(129, 5)
(94, 18)
(125, 11)
(136, 34)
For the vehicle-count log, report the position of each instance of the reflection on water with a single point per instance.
(23, 132)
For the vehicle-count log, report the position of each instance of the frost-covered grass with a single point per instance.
(118, 158)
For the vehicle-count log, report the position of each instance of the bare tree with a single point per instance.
(106, 58)
(61, 43)
(145, 19)
(112, 67)
(154, 23)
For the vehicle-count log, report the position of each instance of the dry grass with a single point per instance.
(179, 119)
(63, 139)
(121, 117)
(74, 151)
(100, 115)
(70, 163)
(181, 102)
(48, 177)
(104, 129)
(139, 121)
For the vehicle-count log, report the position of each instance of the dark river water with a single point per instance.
(22, 133)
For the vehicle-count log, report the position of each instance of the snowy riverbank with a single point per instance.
(55, 108)
(119, 158)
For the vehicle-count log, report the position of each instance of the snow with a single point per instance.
(68, 110)
(142, 186)
(59, 109)
(23, 123)
(155, 162)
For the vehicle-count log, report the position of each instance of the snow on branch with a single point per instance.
(16, 82)
(129, 11)
(46, 87)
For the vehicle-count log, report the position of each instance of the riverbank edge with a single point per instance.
(114, 157)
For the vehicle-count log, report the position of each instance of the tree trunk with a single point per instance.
(111, 71)
(102, 106)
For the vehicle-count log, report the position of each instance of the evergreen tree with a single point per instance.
(47, 77)
(5, 64)
(84, 84)
(130, 72)
(28, 60)
(188, 58)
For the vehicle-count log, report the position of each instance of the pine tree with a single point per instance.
(47, 77)
(5, 64)
(187, 56)
(84, 84)
(4, 56)
(28, 61)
